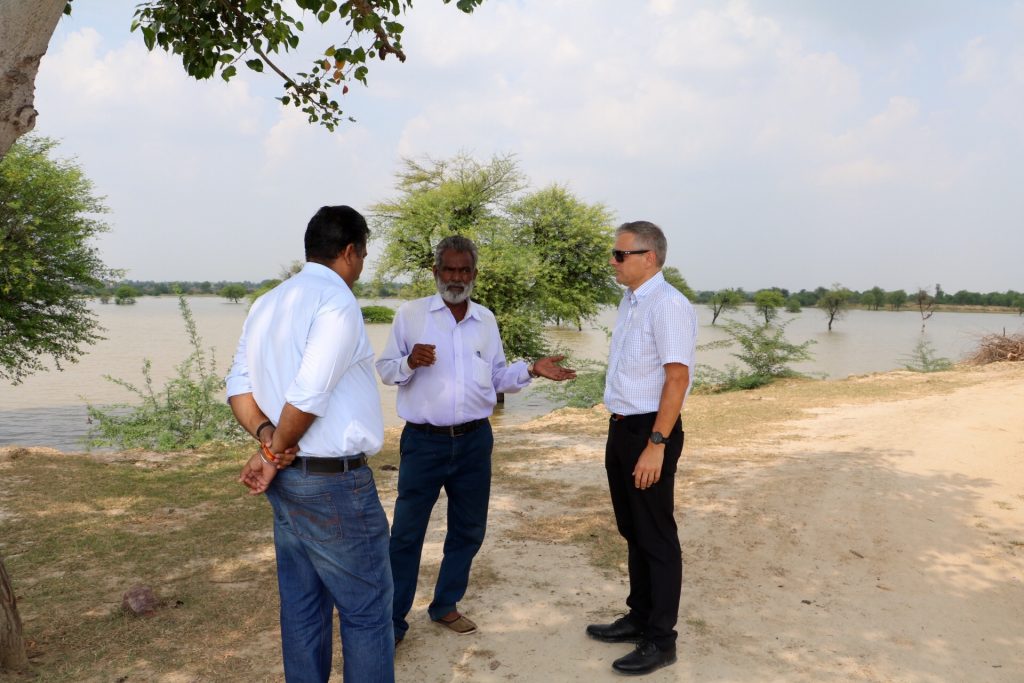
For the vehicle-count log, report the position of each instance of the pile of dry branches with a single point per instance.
(997, 347)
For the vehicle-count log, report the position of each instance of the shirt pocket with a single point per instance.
(482, 373)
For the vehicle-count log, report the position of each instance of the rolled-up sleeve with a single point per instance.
(238, 381)
(330, 348)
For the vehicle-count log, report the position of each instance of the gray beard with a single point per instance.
(453, 297)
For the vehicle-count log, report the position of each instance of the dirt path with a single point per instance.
(879, 542)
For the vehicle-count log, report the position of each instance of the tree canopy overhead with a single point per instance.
(216, 37)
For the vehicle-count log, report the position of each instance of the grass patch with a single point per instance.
(81, 532)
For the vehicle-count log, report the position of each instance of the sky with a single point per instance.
(788, 143)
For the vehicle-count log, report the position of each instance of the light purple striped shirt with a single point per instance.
(656, 325)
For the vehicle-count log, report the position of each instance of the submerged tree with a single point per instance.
(768, 302)
(834, 303)
(723, 300)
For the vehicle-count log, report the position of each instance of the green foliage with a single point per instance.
(924, 359)
(676, 279)
(213, 36)
(570, 239)
(896, 299)
(125, 295)
(377, 314)
(542, 256)
(586, 391)
(763, 349)
(768, 302)
(188, 412)
(834, 303)
(873, 299)
(233, 292)
(47, 264)
(793, 304)
(724, 300)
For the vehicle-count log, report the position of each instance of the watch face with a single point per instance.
(657, 438)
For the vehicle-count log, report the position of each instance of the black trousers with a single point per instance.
(645, 519)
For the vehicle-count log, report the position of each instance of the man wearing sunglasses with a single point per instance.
(652, 351)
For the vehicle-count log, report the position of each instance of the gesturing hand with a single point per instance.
(549, 367)
(422, 354)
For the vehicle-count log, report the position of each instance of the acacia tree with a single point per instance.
(834, 303)
(570, 239)
(768, 302)
(925, 303)
(723, 300)
(47, 262)
(233, 292)
(523, 266)
(213, 37)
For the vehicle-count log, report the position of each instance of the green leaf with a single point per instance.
(255, 64)
(228, 72)
(149, 37)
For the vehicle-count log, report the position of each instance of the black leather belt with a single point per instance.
(451, 430)
(329, 465)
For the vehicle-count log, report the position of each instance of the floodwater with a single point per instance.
(48, 409)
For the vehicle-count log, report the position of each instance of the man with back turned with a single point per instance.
(303, 380)
(652, 352)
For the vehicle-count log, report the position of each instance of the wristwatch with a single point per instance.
(657, 438)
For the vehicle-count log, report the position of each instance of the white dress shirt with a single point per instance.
(304, 343)
(656, 325)
(469, 370)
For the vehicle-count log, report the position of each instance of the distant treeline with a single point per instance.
(874, 299)
(225, 288)
(877, 298)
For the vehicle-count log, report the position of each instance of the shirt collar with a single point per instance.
(437, 304)
(321, 271)
(646, 288)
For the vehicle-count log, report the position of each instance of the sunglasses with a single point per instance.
(620, 255)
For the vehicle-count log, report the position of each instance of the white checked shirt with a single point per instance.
(304, 343)
(656, 325)
(470, 369)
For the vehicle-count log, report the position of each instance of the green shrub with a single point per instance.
(763, 349)
(377, 314)
(923, 358)
(188, 412)
(586, 391)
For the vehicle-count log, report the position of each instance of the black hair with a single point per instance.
(331, 230)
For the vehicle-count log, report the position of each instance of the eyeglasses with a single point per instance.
(619, 255)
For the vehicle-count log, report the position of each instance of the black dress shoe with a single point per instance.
(647, 657)
(622, 630)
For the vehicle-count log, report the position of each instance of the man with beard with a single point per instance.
(446, 357)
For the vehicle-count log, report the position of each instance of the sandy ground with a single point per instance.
(880, 542)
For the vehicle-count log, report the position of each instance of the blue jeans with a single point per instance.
(331, 537)
(462, 466)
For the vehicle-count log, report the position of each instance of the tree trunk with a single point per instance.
(26, 27)
(12, 645)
